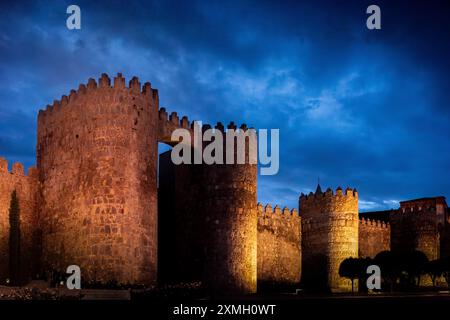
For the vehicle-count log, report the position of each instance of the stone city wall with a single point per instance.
(279, 245)
(26, 187)
(374, 237)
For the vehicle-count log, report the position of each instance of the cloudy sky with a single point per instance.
(360, 108)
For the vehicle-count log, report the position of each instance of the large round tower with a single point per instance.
(330, 235)
(231, 224)
(97, 160)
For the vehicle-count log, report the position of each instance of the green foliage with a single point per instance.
(445, 269)
(14, 239)
(413, 263)
(350, 268)
(355, 268)
(434, 269)
(437, 268)
(390, 267)
(405, 268)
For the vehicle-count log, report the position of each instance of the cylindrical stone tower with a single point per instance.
(330, 235)
(231, 225)
(97, 160)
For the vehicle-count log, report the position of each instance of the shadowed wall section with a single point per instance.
(27, 188)
(181, 219)
(416, 229)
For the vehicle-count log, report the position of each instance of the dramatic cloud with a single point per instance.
(359, 108)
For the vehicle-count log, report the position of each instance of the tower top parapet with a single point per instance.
(329, 201)
(103, 86)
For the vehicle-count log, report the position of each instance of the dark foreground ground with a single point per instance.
(170, 304)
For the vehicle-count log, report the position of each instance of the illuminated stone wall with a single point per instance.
(374, 237)
(97, 161)
(208, 218)
(230, 231)
(26, 187)
(279, 245)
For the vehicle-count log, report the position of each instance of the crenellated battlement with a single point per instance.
(167, 123)
(374, 236)
(416, 210)
(103, 87)
(17, 169)
(174, 119)
(277, 212)
(329, 202)
(283, 223)
(329, 193)
(373, 223)
(231, 126)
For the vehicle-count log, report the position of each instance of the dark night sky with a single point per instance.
(360, 108)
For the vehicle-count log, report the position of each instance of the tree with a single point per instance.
(445, 269)
(389, 265)
(364, 264)
(350, 268)
(434, 270)
(14, 239)
(413, 263)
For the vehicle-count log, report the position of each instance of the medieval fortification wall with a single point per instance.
(415, 228)
(26, 187)
(279, 245)
(374, 237)
(92, 202)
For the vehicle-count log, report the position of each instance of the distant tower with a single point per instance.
(97, 158)
(329, 236)
(419, 225)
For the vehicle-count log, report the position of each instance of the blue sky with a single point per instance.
(360, 108)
